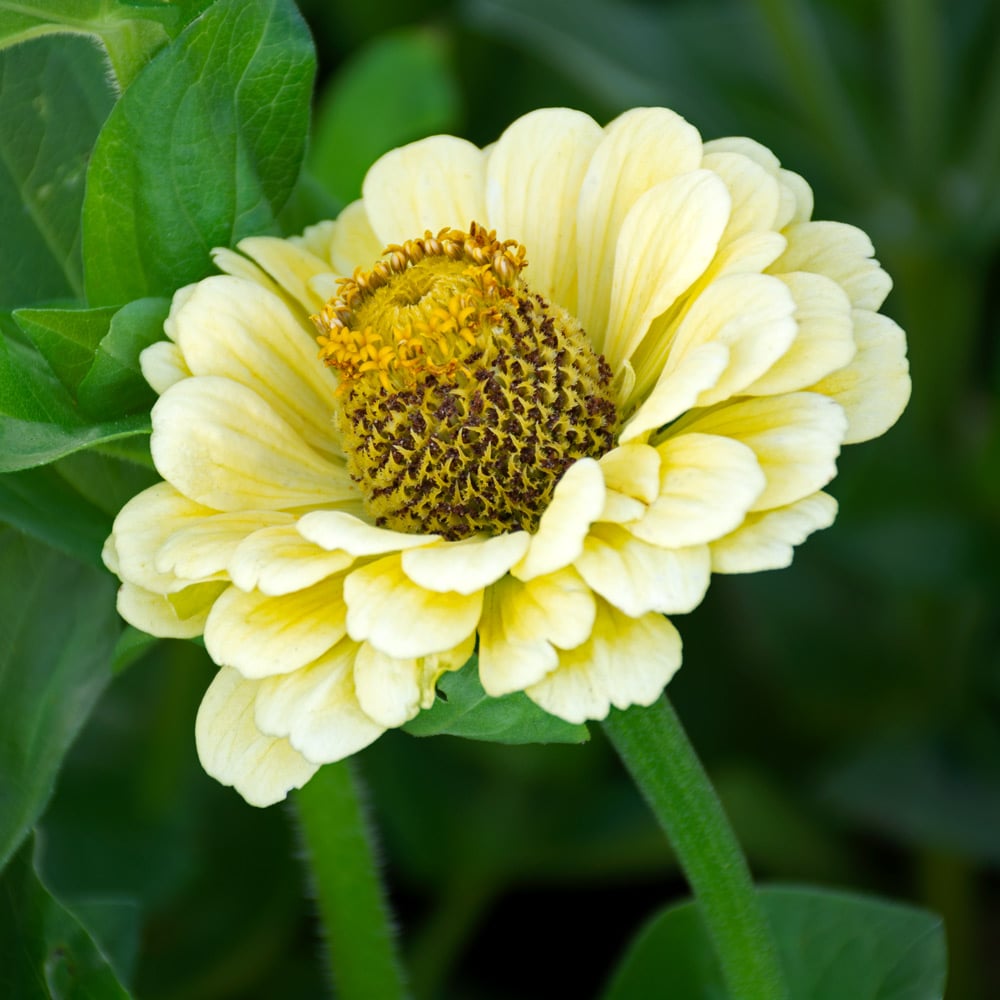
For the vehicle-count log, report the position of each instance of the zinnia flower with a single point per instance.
(562, 380)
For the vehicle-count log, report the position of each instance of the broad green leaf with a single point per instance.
(132, 645)
(400, 88)
(58, 629)
(832, 945)
(66, 338)
(45, 951)
(42, 504)
(464, 709)
(201, 150)
(28, 388)
(54, 96)
(25, 444)
(114, 385)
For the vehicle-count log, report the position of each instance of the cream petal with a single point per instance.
(177, 303)
(767, 540)
(162, 364)
(220, 444)
(628, 661)
(237, 266)
(640, 149)
(523, 623)
(707, 485)
(335, 530)
(143, 526)
(666, 242)
(430, 184)
(824, 340)
(800, 194)
(400, 618)
(290, 265)
(316, 239)
(317, 708)
(755, 193)
(533, 179)
(263, 769)
(236, 330)
(354, 243)
(279, 561)
(466, 566)
(260, 635)
(875, 387)
(638, 578)
(576, 503)
(796, 438)
(204, 548)
(841, 252)
(749, 148)
(633, 469)
(180, 615)
(620, 509)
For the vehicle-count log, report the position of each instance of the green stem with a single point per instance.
(352, 906)
(657, 753)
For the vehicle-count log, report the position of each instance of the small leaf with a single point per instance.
(202, 149)
(45, 951)
(54, 96)
(400, 88)
(28, 389)
(466, 710)
(57, 632)
(25, 444)
(114, 385)
(832, 945)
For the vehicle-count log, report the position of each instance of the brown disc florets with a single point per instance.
(464, 396)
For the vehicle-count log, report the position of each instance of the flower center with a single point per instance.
(463, 395)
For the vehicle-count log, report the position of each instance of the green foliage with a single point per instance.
(56, 637)
(464, 709)
(199, 152)
(832, 945)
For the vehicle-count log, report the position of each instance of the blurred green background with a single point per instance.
(848, 708)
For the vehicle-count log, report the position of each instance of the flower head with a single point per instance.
(561, 381)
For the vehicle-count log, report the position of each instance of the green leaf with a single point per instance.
(201, 150)
(28, 389)
(58, 629)
(66, 338)
(132, 645)
(464, 709)
(45, 951)
(25, 444)
(114, 385)
(42, 504)
(831, 944)
(399, 88)
(54, 96)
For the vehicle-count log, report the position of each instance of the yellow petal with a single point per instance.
(824, 340)
(162, 365)
(875, 387)
(667, 240)
(279, 561)
(221, 445)
(317, 708)
(143, 526)
(437, 182)
(638, 578)
(755, 193)
(263, 769)
(290, 265)
(640, 149)
(576, 503)
(203, 549)
(335, 530)
(180, 615)
(400, 618)
(533, 179)
(353, 243)
(633, 469)
(841, 252)
(796, 438)
(628, 661)
(234, 329)
(767, 540)
(523, 623)
(261, 635)
(707, 484)
(236, 265)
(465, 566)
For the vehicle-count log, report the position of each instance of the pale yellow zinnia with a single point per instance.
(592, 367)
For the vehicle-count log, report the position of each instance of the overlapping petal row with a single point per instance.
(747, 349)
